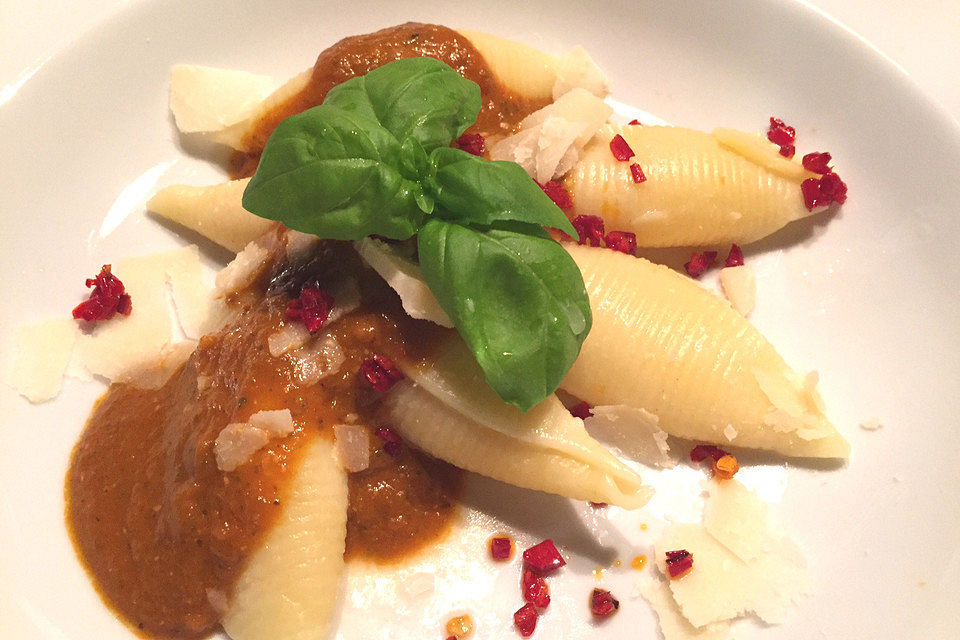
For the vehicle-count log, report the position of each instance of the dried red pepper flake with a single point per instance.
(622, 241)
(699, 262)
(812, 198)
(501, 547)
(833, 188)
(380, 372)
(735, 257)
(637, 173)
(312, 308)
(603, 604)
(525, 620)
(726, 467)
(536, 591)
(558, 193)
(581, 410)
(108, 298)
(679, 563)
(392, 442)
(472, 143)
(779, 133)
(817, 162)
(544, 557)
(598, 505)
(590, 229)
(703, 451)
(635, 123)
(621, 150)
(788, 151)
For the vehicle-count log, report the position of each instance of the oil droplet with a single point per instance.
(460, 627)
(643, 527)
(639, 562)
(598, 574)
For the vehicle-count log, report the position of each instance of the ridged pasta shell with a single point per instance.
(523, 69)
(663, 343)
(216, 212)
(288, 590)
(449, 411)
(701, 188)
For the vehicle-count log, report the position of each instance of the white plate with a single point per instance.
(868, 297)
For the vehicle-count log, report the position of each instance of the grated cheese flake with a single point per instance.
(206, 99)
(635, 432)
(278, 422)
(673, 626)
(236, 443)
(43, 351)
(740, 287)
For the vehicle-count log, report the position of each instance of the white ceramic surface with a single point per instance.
(868, 297)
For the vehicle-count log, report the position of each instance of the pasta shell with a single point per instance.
(523, 69)
(700, 188)
(661, 342)
(446, 409)
(288, 590)
(216, 212)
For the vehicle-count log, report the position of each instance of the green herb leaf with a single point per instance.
(470, 189)
(419, 98)
(516, 297)
(335, 174)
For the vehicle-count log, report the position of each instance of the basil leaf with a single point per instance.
(470, 189)
(516, 297)
(335, 174)
(420, 98)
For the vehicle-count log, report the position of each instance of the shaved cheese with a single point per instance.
(404, 277)
(299, 244)
(352, 446)
(241, 270)
(730, 432)
(796, 404)
(236, 443)
(191, 294)
(635, 432)
(757, 149)
(43, 352)
(550, 139)
(740, 286)
(291, 336)
(235, 135)
(314, 362)
(206, 99)
(346, 298)
(576, 69)
(278, 422)
(673, 626)
(215, 212)
(171, 358)
(739, 520)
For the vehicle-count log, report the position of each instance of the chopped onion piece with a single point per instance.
(353, 446)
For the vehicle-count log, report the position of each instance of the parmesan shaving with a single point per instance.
(550, 139)
(215, 212)
(290, 336)
(43, 352)
(635, 432)
(241, 270)
(740, 287)
(171, 358)
(739, 520)
(576, 69)
(404, 277)
(352, 446)
(207, 99)
(314, 362)
(795, 404)
(190, 293)
(673, 626)
(278, 422)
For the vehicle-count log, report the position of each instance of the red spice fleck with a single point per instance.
(472, 143)
(525, 619)
(817, 162)
(679, 563)
(832, 187)
(392, 443)
(544, 557)
(380, 372)
(699, 262)
(635, 122)
(107, 299)
(535, 589)
(500, 548)
(603, 604)
(558, 193)
(788, 151)
(780, 134)
(810, 188)
(312, 308)
(590, 229)
(581, 410)
(637, 173)
(735, 257)
(703, 451)
(622, 241)
(452, 638)
(621, 150)
(598, 505)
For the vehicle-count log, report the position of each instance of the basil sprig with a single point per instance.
(374, 159)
